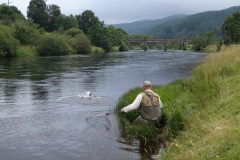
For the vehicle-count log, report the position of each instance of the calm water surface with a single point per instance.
(43, 117)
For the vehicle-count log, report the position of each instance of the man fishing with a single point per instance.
(149, 105)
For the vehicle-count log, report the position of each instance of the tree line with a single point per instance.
(52, 33)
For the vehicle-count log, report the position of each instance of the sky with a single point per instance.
(127, 11)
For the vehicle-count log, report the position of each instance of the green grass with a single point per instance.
(96, 50)
(202, 112)
(26, 50)
(115, 49)
(210, 48)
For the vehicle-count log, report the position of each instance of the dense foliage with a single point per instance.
(8, 44)
(231, 28)
(37, 11)
(27, 32)
(72, 34)
(86, 20)
(78, 41)
(99, 35)
(9, 14)
(43, 14)
(201, 42)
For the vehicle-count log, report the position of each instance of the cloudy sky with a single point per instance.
(126, 11)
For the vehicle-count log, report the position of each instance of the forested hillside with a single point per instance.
(142, 26)
(180, 25)
(194, 25)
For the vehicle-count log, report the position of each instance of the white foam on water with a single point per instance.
(86, 94)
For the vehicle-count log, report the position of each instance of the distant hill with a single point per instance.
(142, 26)
(193, 25)
(180, 25)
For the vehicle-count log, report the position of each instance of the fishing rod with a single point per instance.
(137, 61)
(142, 71)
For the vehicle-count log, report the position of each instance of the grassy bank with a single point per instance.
(202, 112)
(27, 50)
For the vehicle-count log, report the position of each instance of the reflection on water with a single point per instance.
(43, 115)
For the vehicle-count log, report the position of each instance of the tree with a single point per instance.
(119, 38)
(199, 43)
(99, 35)
(86, 20)
(70, 22)
(53, 13)
(210, 37)
(37, 11)
(230, 28)
(66, 22)
(15, 10)
(10, 14)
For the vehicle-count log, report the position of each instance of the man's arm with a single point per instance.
(160, 103)
(134, 105)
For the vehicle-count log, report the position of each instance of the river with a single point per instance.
(42, 113)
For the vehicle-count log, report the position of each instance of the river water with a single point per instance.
(43, 116)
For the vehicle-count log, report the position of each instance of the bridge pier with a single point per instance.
(184, 46)
(165, 46)
(145, 44)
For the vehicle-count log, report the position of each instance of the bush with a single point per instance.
(199, 43)
(73, 32)
(81, 44)
(8, 44)
(52, 44)
(27, 32)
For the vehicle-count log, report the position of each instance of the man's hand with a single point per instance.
(122, 110)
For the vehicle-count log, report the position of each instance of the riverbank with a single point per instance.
(202, 112)
(27, 50)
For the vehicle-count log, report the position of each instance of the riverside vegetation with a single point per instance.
(49, 32)
(202, 113)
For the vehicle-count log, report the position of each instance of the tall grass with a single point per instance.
(212, 130)
(171, 112)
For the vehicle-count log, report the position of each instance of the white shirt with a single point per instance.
(136, 104)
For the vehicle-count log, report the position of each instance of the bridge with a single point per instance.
(184, 41)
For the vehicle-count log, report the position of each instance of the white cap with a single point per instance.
(146, 83)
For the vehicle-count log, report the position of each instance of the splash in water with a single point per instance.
(86, 94)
